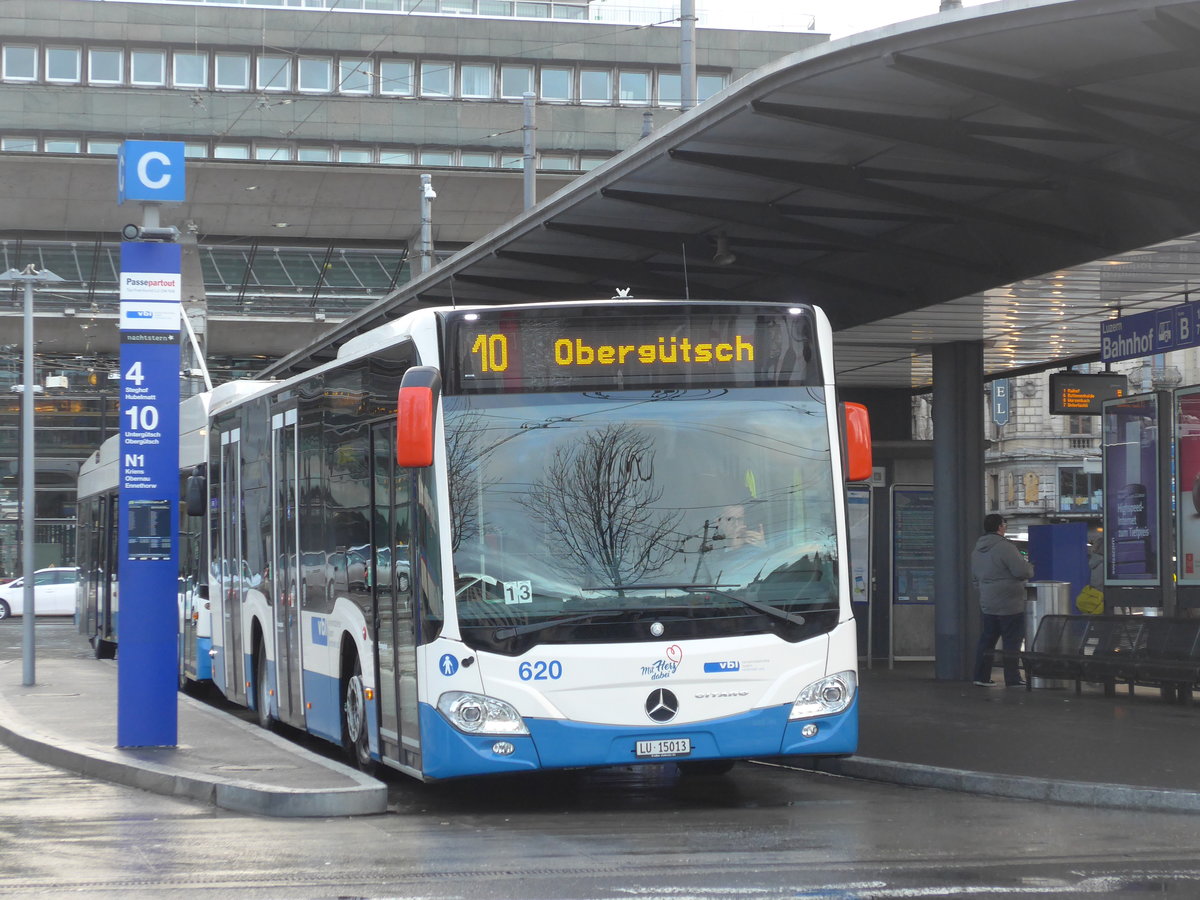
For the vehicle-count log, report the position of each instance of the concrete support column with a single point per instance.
(957, 502)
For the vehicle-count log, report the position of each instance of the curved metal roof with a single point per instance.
(895, 178)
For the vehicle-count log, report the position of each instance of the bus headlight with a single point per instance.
(832, 694)
(477, 714)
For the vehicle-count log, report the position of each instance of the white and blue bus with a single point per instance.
(97, 605)
(508, 538)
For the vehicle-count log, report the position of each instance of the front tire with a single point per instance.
(5, 612)
(262, 694)
(356, 738)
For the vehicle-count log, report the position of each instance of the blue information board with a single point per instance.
(148, 492)
(1156, 331)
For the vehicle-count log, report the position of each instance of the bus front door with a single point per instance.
(231, 569)
(392, 583)
(289, 579)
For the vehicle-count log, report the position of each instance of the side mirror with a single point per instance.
(857, 434)
(195, 493)
(416, 413)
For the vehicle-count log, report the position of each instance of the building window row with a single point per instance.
(220, 70)
(300, 152)
(532, 9)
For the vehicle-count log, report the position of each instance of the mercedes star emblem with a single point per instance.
(662, 705)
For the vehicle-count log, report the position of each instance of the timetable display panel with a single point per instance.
(631, 347)
(1077, 394)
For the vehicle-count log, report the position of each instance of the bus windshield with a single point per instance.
(641, 515)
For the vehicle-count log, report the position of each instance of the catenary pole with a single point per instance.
(529, 133)
(687, 53)
(28, 277)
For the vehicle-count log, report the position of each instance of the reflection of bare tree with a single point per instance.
(465, 454)
(598, 503)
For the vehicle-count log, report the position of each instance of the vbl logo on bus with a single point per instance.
(728, 665)
(320, 632)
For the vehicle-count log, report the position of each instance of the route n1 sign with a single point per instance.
(148, 493)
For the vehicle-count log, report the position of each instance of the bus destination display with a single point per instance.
(1081, 395)
(636, 347)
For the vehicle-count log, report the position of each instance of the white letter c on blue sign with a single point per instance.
(143, 174)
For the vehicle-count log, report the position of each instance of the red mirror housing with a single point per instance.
(416, 413)
(858, 442)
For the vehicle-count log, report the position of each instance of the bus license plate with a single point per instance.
(664, 747)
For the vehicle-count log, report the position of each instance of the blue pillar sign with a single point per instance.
(147, 712)
(150, 171)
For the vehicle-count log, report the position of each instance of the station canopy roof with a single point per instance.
(978, 175)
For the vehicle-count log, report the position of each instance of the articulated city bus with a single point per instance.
(97, 606)
(500, 539)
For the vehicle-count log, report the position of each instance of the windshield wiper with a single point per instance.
(511, 631)
(764, 608)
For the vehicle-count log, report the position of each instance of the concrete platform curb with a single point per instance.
(1021, 787)
(150, 769)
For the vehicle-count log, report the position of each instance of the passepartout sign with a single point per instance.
(164, 286)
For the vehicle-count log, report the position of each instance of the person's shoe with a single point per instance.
(1016, 684)
(986, 683)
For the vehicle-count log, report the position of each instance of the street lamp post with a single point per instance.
(29, 276)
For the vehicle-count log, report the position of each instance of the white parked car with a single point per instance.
(53, 593)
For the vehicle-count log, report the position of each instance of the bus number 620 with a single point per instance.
(541, 670)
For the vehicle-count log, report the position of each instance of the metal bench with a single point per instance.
(1146, 650)
(1057, 650)
(1170, 656)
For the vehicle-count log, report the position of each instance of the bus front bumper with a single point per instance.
(558, 744)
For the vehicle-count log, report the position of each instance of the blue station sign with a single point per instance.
(1156, 331)
(150, 171)
(148, 494)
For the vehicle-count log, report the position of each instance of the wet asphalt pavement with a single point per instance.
(763, 831)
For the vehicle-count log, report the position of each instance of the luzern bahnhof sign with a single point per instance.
(148, 491)
(1156, 331)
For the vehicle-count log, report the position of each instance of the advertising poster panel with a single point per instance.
(912, 627)
(1187, 503)
(912, 545)
(858, 514)
(1131, 491)
(858, 523)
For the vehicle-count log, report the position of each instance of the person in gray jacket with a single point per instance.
(1000, 572)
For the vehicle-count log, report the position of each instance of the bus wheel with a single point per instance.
(4, 610)
(355, 737)
(262, 694)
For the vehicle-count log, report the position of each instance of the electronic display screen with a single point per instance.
(1076, 394)
(627, 346)
(149, 529)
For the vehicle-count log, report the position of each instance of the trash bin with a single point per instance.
(1045, 598)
